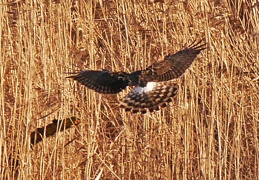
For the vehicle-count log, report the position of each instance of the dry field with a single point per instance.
(209, 131)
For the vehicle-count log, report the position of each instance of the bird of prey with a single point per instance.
(154, 86)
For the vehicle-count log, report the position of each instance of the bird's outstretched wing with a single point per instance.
(173, 66)
(104, 82)
(151, 97)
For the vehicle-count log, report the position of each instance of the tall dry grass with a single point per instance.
(210, 131)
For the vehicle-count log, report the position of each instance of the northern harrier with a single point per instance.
(154, 86)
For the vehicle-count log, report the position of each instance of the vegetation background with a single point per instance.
(209, 131)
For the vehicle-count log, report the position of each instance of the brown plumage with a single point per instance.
(154, 87)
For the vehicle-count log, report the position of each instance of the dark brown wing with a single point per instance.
(150, 97)
(104, 82)
(173, 66)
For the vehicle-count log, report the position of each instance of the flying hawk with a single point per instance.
(154, 86)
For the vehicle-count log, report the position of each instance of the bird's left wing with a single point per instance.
(104, 82)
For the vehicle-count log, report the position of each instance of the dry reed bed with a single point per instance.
(210, 131)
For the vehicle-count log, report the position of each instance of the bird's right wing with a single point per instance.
(174, 65)
(104, 82)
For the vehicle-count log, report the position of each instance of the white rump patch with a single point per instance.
(149, 87)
